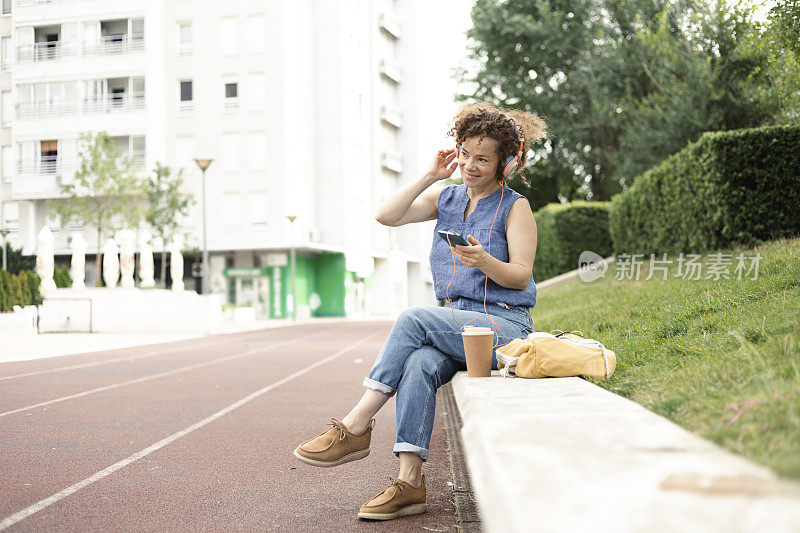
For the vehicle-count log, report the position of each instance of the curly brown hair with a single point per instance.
(485, 120)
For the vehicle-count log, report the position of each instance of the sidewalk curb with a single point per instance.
(467, 517)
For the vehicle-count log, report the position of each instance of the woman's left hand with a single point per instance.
(472, 256)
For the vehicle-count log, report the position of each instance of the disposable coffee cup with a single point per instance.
(478, 343)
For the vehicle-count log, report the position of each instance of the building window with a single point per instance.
(231, 209)
(48, 156)
(184, 152)
(7, 53)
(229, 151)
(185, 96)
(186, 91)
(138, 150)
(11, 216)
(184, 38)
(230, 90)
(257, 150)
(256, 92)
(7, 155)
(258, 209)
(255, 31)
(54, 222)
(6, 107)
(7, 7)
(231, 95)
(229, 37)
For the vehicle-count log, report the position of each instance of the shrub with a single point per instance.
(61, 277)
(729, 188)
(566, 230)
(16, 262)
(18, 289)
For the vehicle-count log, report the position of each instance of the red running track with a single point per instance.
(198, 435)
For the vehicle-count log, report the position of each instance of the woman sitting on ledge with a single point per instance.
(424, 349)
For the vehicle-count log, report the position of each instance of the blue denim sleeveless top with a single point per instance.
(469, 281)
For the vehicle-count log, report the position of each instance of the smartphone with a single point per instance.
(455, 238)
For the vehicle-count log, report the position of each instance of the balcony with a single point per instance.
(392, 116)
(389, 23)
(110, 103)
(24, 3)
(41, 177)
(391, 69)
(46, 51)
(46, 164)
(114, 103)
(138, 158)
(55, 165)
(114, 45)
(392, 162)
(35, 187)
(46, 108)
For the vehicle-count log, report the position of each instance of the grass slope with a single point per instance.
(719, 357)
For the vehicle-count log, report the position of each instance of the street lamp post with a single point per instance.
(292, 259)
(203, 164)
(4, 232)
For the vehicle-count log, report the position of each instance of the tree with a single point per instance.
(700, 84)
(106, 191)
(167, 206)
(17, 262)
(621, 83)
(777, 76)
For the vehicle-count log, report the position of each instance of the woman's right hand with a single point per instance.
(443, 165)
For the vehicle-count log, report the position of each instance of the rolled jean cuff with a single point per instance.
(378, 386)
(406, 447)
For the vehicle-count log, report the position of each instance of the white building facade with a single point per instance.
(311, 110)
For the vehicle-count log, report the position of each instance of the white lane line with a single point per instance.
(161, 374)
(38, 506)
(114, 360)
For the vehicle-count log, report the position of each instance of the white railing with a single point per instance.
(46, 108)
(138, 158)
(46, 51)
(56, 107)
(115, 45)
(53, 164)
(113, 103)
(22, 3)
(54, 50)
(392, 115)
(47, 164)
(391, 69)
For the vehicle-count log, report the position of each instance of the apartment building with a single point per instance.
(311, 110)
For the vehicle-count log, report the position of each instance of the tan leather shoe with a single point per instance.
(398, 499)
(335, 446)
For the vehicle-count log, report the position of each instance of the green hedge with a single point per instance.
(18, 289)
(726, 189)
(566, 230)
(61, 277)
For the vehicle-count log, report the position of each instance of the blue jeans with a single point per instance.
(423, 351)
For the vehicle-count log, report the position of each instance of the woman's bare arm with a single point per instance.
(406, 205)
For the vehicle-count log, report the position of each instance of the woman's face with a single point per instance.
(478, 162)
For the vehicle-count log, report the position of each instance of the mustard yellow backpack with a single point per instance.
(556, 354)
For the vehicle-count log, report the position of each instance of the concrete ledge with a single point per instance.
(561, 454)
(567, 276)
